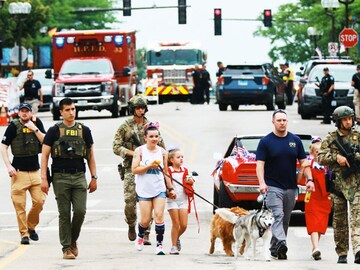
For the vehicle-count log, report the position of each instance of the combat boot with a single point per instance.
(357, 257)
(132, 233)
(342, 259)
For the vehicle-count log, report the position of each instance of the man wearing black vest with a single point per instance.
(25, 135)
(69, 143)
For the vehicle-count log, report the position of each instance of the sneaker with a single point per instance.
(147, 242)
(132, 233)
(139, 244)
(178, 245)
(273, 255)
(160, 250)
(342, 259)
(281, 252)
(74, 249)
(174, 251)
(316, 254)
(25, 240)
(68, 255)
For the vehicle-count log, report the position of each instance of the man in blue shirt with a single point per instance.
(276, 157)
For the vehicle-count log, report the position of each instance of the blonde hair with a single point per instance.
(314, 146)
(171, 154)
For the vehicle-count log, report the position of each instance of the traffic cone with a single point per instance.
(3, 117)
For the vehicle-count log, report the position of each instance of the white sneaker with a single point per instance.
(160, 250)
(174, 251)
(139, 244)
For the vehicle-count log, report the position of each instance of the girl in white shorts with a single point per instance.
(178, 207)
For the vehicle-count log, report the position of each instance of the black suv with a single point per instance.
(250, 84)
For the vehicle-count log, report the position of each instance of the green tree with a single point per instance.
(288, 34)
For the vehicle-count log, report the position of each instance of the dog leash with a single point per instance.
(181, 184)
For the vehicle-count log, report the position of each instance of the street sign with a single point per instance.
(348, 37)
(333, 48)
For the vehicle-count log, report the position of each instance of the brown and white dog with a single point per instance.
(220, 228)
(256, 224)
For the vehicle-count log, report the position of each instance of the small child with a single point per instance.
(318, 208)
(178, 208)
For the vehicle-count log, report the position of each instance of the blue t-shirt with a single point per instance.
(280, 155)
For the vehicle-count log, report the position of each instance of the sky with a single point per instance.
(236, 45)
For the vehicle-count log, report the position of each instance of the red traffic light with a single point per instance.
(267, 18)
(267, 12)
(217, 11)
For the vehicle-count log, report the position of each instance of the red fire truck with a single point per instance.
(95, 68)
(169, 67)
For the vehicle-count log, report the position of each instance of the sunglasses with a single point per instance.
(279, 111)
(316, 140)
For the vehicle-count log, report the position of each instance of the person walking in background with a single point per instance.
(221, 69)
(335, 152)
(355, 82)
(198, 92)
(69, 143)
(25, 136)
(178, 208)
(288, 77)
(151, 185)
(318, 208)
(32, 92)
(327, 89)
(276, 157)
(205, 83)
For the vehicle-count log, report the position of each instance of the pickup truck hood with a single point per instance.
(84, 78)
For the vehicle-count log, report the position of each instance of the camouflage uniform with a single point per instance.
(123, 142)
(346, 189)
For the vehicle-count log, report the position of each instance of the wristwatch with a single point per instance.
(94, 177)
(309, 180)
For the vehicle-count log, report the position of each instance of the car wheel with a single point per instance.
(224, 199)
(222, 107)
(234, 107)
(56, 114)
(303, 114)
(215, 200)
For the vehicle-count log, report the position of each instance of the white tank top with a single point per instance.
(151, 183)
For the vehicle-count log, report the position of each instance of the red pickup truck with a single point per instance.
(235, 180)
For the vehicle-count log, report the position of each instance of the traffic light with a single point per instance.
(182, 11)
(267, 18)
(217, 21)
(127, 7)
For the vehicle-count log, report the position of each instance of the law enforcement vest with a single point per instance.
(25, 143)
(70, 143)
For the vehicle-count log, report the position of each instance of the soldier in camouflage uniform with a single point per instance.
(345, 189)
(129, 136)
(355, 82)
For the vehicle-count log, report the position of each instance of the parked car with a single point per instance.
(235, 180)
(314, 61)
(250, 84)
(310, 99)
(46, 86)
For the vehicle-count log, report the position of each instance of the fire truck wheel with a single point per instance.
(115, 110)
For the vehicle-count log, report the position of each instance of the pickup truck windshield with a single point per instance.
(93, 66)
(173, 57)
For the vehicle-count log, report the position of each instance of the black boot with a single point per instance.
(357, 257)
(342, 259)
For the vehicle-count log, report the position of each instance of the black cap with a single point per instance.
(326, 69)
(25, 105)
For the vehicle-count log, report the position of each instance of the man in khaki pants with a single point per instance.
(25, 136)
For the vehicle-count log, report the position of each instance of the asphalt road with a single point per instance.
(201, 131)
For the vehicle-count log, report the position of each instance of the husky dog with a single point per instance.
(255, 225)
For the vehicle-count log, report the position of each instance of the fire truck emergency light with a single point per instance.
(128, 39)
(119, 40)
(107, 39)
(59, 41)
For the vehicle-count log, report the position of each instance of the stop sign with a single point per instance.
(348, 37)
